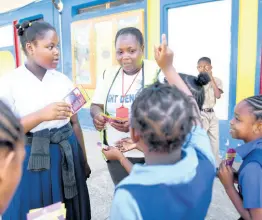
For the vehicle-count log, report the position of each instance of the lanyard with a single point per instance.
(112, 83)
(123, 82)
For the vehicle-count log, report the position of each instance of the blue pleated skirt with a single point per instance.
(39, 189)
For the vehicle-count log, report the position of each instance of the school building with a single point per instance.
(227, 31)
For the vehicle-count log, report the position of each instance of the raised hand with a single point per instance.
(164, 55)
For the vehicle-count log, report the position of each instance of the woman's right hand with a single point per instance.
(56, 111)
(99, 122)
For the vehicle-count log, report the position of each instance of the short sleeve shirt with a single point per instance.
(250, 178)
(210, 99)
(24, 93)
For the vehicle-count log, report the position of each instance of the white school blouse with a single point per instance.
(24, 93)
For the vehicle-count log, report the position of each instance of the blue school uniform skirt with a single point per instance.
(39, 189)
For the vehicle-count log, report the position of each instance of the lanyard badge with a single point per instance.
(123, 112)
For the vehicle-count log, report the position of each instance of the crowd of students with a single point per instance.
(160, 159)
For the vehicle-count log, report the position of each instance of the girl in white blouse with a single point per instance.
(55, 161)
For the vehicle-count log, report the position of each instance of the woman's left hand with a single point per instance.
(123, 126)
(225, 174)
(125, 145)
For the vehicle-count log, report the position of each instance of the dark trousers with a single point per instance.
(117, 172)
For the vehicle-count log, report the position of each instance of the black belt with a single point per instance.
(208, 110)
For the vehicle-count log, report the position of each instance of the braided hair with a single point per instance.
(11, 130)
(255, 102)
(163, 116)
(29, 32)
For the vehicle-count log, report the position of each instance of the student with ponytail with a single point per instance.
(55, 164)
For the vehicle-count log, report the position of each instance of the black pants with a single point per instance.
(117, 172)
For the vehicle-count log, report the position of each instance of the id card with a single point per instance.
(122, 112)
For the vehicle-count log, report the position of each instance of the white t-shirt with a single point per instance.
(25, 93)
(115, 100)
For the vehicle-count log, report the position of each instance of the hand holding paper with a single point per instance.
(56, 211)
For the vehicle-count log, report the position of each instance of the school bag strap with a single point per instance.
(253, 156)
(110, 78)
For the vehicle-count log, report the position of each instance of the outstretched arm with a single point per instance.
(164, 58)
(113, 153)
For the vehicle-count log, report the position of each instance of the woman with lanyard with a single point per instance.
(116, 90)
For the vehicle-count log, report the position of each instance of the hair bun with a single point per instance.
(17, 26)
(203, 79)
(22, 27)
(20, 30)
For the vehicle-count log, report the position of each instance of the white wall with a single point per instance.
(7, 36)
(203, 30)
(13, 4)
